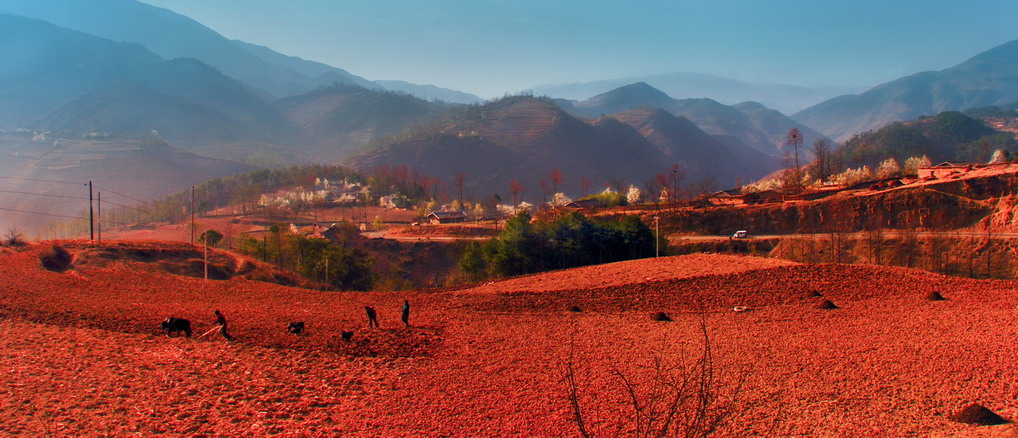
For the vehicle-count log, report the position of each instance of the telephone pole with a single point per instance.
(99, 216)
(192, 215)
(91, 215)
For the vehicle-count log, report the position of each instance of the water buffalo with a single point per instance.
(172, 325)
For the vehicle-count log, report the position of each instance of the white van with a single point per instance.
(741, 234)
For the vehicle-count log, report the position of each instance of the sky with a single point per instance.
(493, 47)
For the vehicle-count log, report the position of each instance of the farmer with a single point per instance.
(372, 316)
(406, 313)
(221, 322)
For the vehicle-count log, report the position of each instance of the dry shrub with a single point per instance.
(668, 398)
(55, 258)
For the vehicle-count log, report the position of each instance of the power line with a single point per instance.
(38, 213)
(107, 189)
(124, 206)
(44, 194)
(44, 180)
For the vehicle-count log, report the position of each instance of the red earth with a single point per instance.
(82, 352)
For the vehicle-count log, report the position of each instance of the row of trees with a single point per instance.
(567, 241)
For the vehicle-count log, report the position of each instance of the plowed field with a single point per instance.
(81, 352)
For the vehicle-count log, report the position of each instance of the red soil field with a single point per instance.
(83, 355)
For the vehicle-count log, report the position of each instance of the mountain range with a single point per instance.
(785, 98)
(748, 123)
(987, 79)
(523, 138)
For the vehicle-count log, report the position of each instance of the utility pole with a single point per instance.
(99, 216)
(657, 237)
(205, 239)
(91, 215)
(192, 215)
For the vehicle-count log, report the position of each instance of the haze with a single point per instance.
(490, 47)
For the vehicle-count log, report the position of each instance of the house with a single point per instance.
(446, 217)
(726, 197)
(943, 170)
(584, 203)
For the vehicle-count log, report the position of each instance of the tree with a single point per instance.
(212, 236)
(516, 188)
(912, 165)
(677, 175)
(822, 158)
(556, 179)
(633, 195)
(888, 168)
(794, 139)
(472, 263)
(459, 185)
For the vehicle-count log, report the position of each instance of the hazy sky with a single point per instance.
(489, 47)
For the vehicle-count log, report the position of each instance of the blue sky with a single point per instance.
(489, 47)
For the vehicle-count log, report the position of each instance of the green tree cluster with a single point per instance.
(568, 241)
(339, 264)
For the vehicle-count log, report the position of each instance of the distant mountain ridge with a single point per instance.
(524, 138)
(786, 98)
(748, 123)
(987, 79)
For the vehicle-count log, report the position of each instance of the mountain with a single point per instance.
(45, 65)
(430, 92)
(701, 154)
(171, 35)
(987, 79)
(524, 138)
(334, 121)
(68, 81)
(786, 98)
(623, 98)
(747, 123)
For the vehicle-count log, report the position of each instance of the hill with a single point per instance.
(458, 369)
(702, 155)
(748, 123)
(986, 79)
(335, 121)
(37, 169)
(948, 136)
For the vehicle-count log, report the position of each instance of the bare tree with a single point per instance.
(516, 188)
(677, 175)
(822, 156)
(794, 139)
(556, 179)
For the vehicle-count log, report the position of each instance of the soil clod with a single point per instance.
(828, 305)
(55, 258)
(935, 296)
(980, 415)
(661, 316)
(575, 309)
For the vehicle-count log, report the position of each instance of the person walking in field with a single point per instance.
(221, 322)
(406, 313)
(372, 316)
